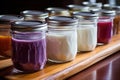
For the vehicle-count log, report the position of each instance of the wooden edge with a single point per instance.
(5, 63)
(83, 65)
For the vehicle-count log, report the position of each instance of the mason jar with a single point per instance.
(5, 37)
(86, 31)
(34, 15)
(61, 39)
(29, 45)
(116, 20)
(56, 11)
(105, 27)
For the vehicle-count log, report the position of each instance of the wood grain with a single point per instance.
(54, 71)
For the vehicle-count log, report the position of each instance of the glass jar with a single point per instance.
(55, 11)
(34, 15)
(105, 27)
(86, 31)
(5, 37)
(29, 45)
(61, 39)
(116, 20)
(104, 30)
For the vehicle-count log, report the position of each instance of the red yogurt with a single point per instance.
(104, 32)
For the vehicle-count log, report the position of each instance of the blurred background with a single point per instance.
(15, 6)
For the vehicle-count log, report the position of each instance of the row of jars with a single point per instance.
(38, 38)
(98, 8)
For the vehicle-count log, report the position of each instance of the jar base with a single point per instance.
(28, 67)
(100, 44)
(83, 51)
(18, 71)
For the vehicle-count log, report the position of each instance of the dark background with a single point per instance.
(15, 6)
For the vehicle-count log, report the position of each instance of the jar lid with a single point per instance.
(85, 15)
(97, 5)
(78, 7)
(7, 19)
(116, 7)
(107, 7)
(95, 10)
(28, 25)
(62, 20)
(72, 6)
(108, 13)
(34, 13)
(86, 3)
(55, 10)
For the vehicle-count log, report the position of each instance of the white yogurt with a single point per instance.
(87, 37)
(61, 46)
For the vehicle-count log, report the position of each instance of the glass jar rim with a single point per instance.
(104, 19)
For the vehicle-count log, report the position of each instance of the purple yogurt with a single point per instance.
(28, 46)
(29, 55)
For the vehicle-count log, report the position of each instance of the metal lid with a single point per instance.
(7, 19)
(28, 25)
(78, 7)
(56, 10)
(95, 10)
(62, 20)
(97, 5)
(86, 3)
(108, 13)
(34, 13)
(85, 15)
(107, 7)
(75, 6)
(116, 7)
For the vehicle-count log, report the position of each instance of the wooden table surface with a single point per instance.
(106, 69)
(54, 71)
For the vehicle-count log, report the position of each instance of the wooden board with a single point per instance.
(54, 71)
(5, 63)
